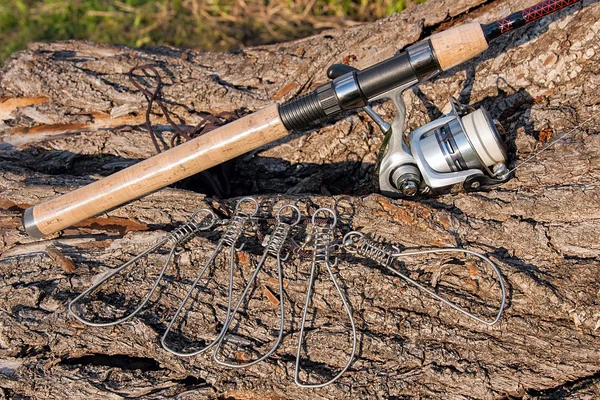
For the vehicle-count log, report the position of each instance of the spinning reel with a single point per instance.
(463, 149)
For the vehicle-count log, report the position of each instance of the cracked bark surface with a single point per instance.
(72, 116)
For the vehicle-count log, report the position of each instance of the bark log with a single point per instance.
(70, 116)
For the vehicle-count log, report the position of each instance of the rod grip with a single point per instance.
(189, 158)
(459, 44)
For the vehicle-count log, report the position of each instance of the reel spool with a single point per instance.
(463, 147)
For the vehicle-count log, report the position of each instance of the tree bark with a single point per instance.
(70, 116)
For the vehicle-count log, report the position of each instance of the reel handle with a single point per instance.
(189, 158)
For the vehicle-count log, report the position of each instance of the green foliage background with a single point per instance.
(201, 24)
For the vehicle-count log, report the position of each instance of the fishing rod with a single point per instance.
(463, 147)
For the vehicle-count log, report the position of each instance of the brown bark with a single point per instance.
(73, 116)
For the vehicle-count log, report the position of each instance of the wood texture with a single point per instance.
(459, 44)
(542, 227)
(199, 154)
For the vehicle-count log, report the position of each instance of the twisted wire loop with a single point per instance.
(357, 243)
(369, 249)
(176, 238)
(189, 230)
(235, 229)
(278, 238)
(274, 247)
(323, 241)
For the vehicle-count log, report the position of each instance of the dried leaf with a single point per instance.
(243, 258)
(472, 283)
(349, 58)
(272, 298)
(56, 256)
(473, 271)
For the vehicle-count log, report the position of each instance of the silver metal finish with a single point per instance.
(274, 248)
(409, 187)
(347, 91)
(456, 109)
(407, 179)
(441, 151)
(175, 239)
(29, 224)
(235, 228)
(501, 171)
(323, 241)
(384, 126)
(422, 58)
(437, 153)
(457, 148)
(394, 152)
(498, 131)
(420, 151)
(356, 243)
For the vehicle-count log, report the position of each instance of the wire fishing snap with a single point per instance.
(274, 247)
(278, 218)
(175, 239)
(385, 257)
(181, 235)
(236, 226)
(323, 238)
(308, 239)
(238, 207)
(351, 239)
(295, 208)
(324, 210)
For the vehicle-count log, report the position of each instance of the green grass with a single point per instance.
(201, 24)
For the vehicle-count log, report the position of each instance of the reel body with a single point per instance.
(461, 150)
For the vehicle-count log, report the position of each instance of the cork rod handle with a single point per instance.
(215, 147)
(459, 44)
